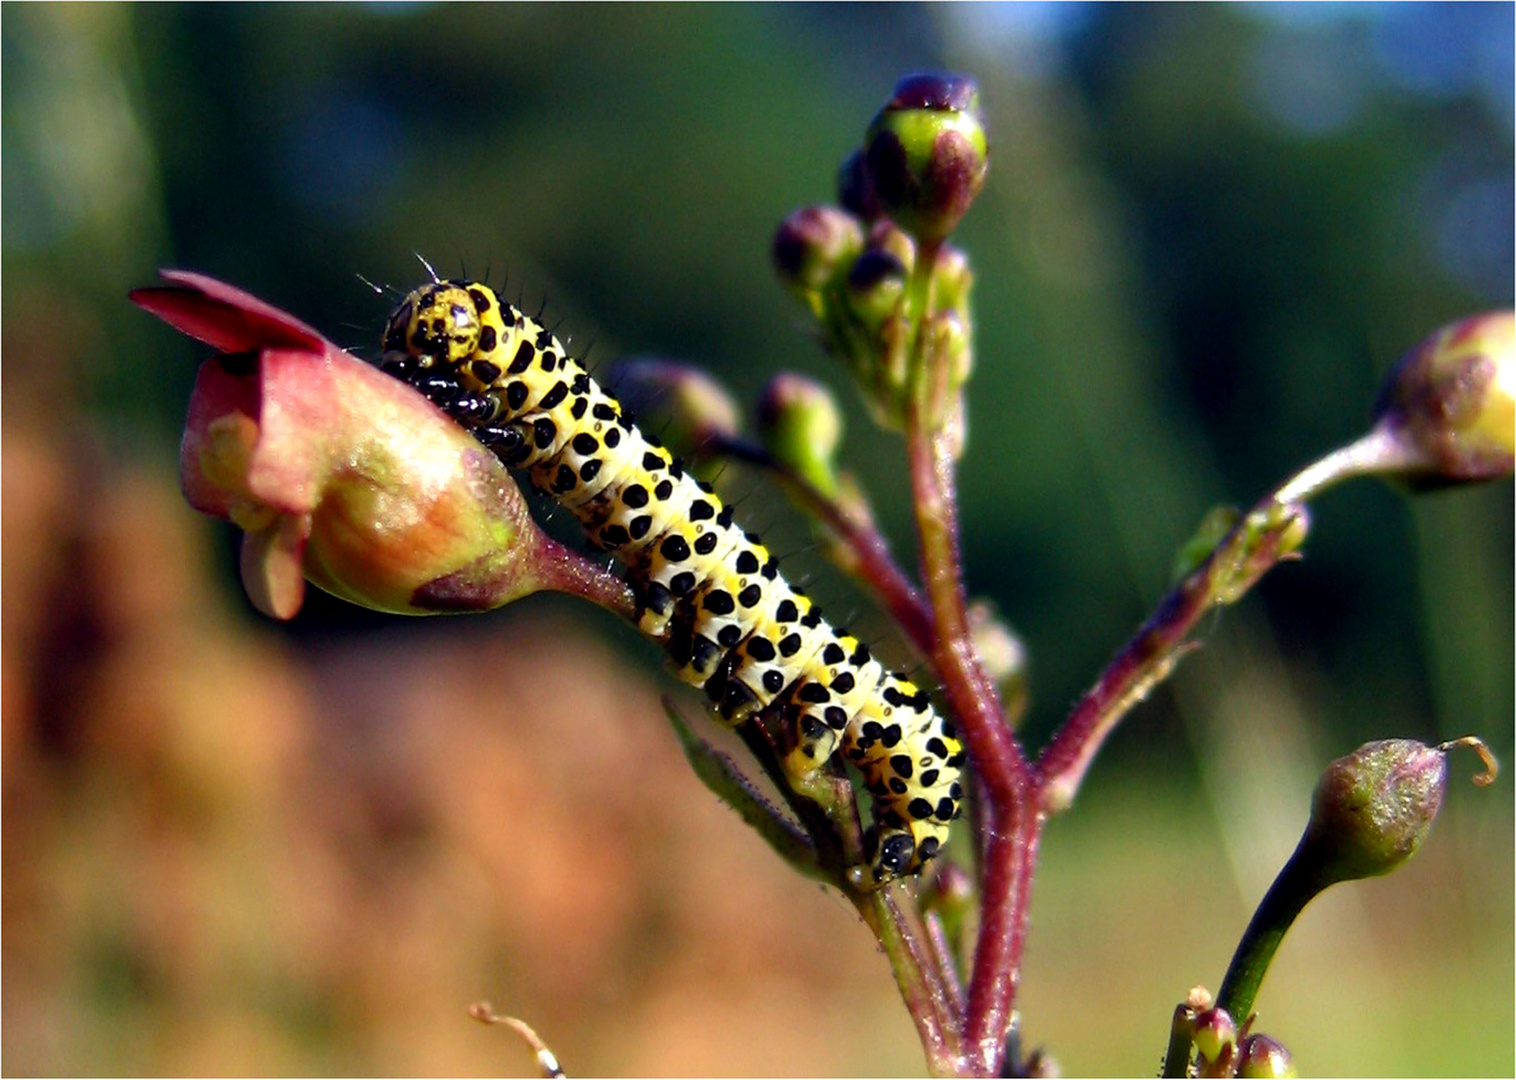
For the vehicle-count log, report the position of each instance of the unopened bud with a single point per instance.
(1215, 1034)
(875, 288)
(927, 153)
(1373, 808)
(814, 246)
(855, 188)
(801, 426)
(1450, 403)
(683, 405)
(1263, 1058)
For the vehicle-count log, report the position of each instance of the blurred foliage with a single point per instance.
(235, 847)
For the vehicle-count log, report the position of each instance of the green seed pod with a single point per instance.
(927, 153)
(801, 426)
(1373, 808)
(1450, 403)
(1263, 1058)
(814, 246)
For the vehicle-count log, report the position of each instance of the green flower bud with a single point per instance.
(952, 279)
(814, 246)
(927, 153)
(801, 426)
(875, 287)
(1450, 403)
(1215, 1035)
(1003, 654)
(684, 405)
(1263, 1058)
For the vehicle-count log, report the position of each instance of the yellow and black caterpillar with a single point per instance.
(709, 592)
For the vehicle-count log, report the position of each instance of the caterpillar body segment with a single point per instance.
(709, 592)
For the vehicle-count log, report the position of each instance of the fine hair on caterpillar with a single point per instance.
(709, 593)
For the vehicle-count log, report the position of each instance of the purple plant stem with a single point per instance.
(1243, 556)
(561, 569)
(1008, 783)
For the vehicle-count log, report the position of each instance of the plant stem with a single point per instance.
(561, 569)
(1301, 878)
(922, 984)
(1005, 778)
(1253, 546)
(1009, 862)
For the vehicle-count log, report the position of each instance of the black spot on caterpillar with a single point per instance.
(709, 592)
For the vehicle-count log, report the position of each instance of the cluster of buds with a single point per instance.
(1219, 1048)
(889, 293)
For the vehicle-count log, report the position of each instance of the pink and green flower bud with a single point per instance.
(815, 246)
(927, 154)
(1450, 403)
(686, 407)
(1215, 1036)
(801, 426)
(338, 473)
(1261, 1057)
(855, 189)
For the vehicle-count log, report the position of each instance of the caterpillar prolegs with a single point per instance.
(707, 590)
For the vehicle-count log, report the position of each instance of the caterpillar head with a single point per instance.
(436, 324)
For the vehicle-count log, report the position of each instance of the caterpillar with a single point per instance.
(709, 592)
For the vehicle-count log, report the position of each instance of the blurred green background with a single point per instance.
(236, 847)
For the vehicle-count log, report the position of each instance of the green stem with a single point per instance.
(1301, 878)
(923, 986)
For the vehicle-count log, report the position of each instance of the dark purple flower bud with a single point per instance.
(855, 189)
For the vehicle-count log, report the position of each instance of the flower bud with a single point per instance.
(801, 426)
(1215, 1034)
(1450, 403)
(952, 279)
(855, 189)
(927, 153)
(685, 406)
(1263, 1058)
(875, 287)
(337, 472)
(1374, 807)
(814, 246)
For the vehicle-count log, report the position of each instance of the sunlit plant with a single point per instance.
(393, 488)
